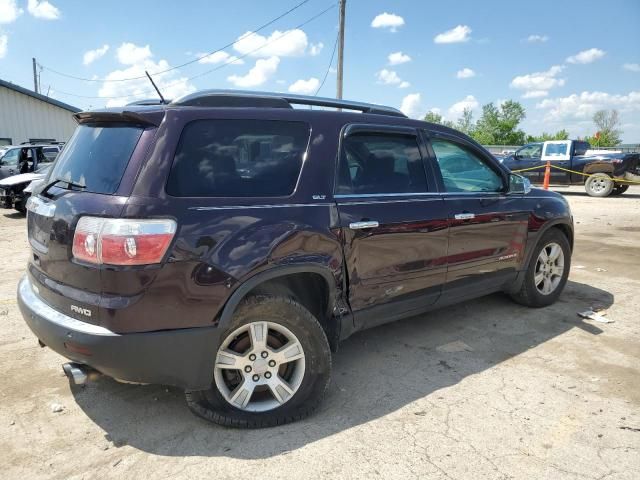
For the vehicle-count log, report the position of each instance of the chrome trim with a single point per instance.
(405, 200)
(373, 195)
(41, 309)
(363, 225)
(287, 205)
(39, 207)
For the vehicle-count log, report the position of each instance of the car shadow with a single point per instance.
(375, 373)
(627, 194)
(14, 215)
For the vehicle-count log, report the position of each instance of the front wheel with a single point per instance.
(272, 367)
(547, 272)
(599, 185)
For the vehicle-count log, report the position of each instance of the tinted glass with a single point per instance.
(463, 171)
(96, 156)
(373, 164)
(238, 158)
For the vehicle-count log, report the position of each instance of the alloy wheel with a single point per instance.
(259, 366)
(549, 269)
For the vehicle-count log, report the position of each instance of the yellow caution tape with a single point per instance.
(528, 169)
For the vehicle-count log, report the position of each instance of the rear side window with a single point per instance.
(97, 156)
(238, 158)
(380, 164)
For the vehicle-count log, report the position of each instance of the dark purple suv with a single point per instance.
(226, 242)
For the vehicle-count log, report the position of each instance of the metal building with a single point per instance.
(26, 116)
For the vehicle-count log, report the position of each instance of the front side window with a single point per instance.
(11, 157)
(380, 164)
(238, 158)
(530, 151)
(463, 171)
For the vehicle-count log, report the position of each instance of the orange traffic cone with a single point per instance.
(547, 175)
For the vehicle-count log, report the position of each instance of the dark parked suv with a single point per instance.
(226, 242)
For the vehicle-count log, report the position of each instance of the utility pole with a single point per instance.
(341, 49)
(35, 76)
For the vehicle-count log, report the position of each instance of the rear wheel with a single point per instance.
(547, 271)
(272, 367)
(620, 189)
(599, 185)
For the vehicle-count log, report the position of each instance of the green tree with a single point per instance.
(435, 117)
(559, 135)
(465, 122)
(499, 125)
(608, 131)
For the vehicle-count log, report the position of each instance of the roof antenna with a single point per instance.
(155, 86)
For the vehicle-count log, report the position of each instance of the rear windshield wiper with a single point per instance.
(69, 183)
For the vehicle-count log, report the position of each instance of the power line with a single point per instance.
(229, 62)
(262, 27)
(324, 79)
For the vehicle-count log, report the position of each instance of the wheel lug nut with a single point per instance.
(247, 368)
(264, 354)
(267, 375)
(252, 357)
(272, 363)
(256, 378)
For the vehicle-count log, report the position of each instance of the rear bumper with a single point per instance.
(183, 357)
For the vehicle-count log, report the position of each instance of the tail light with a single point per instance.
(122, 241)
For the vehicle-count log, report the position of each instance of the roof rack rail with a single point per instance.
(241, 98)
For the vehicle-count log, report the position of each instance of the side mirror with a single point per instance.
(519, 184)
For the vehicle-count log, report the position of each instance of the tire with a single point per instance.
(599, 185)
(620, 189)
(531, 293)
(267, 406)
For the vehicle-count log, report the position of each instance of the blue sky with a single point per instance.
(562, 59)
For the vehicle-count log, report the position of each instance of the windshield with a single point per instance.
(96, 156)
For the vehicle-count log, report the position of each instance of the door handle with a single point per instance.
(363, 225)
(464, 216)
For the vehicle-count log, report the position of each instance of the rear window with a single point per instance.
(96, 156)
(238, 158)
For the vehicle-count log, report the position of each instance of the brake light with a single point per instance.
(122, 241)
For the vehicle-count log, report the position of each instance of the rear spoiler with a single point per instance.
(148, 119)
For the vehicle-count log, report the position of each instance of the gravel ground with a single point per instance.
(485, 389)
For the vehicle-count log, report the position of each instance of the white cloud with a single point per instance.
(632, 67)
(537, 39)
(587, 56)
(539, 80)
(397, 58)
(43, 9)
(469, 102)
(129, 53)
(290, 43)
(461, 33)
(219, 57)
(4, 41)
(93, 55)
(9, 11)
(584, 105)
(136, 60)
(535, 94)
(465, 73)
(390, 77)
(315, 48)
(305, 87)
(259, 74)
(388, 20)
(412, 105)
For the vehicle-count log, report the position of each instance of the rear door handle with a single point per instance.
(464, 216)
(363, 225)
